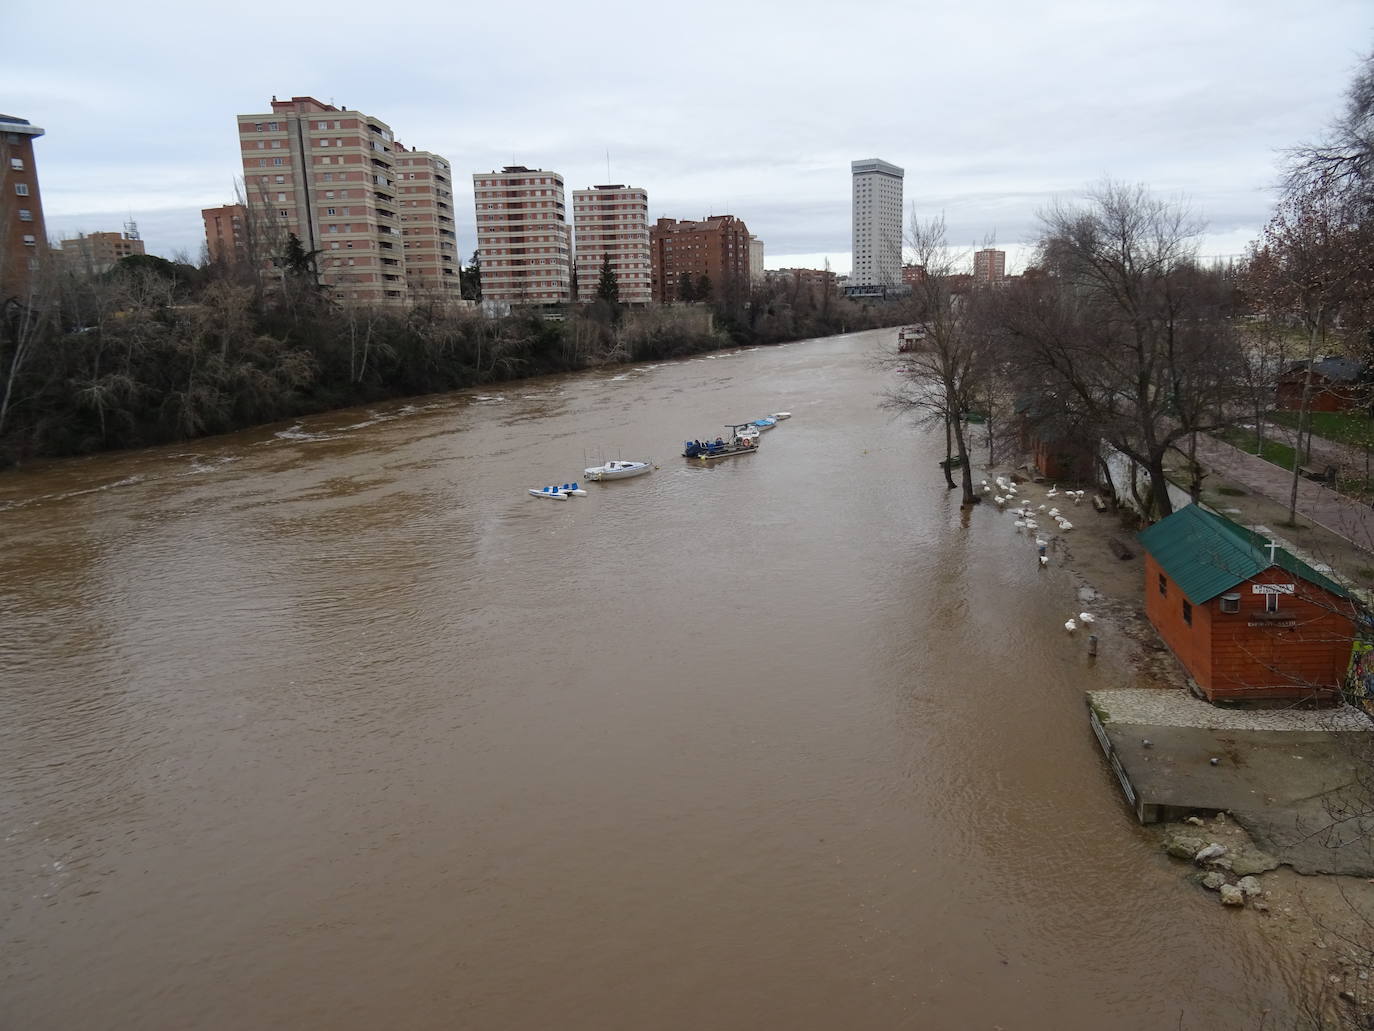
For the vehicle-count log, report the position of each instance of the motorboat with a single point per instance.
(750, 432)
(618, 470)
(780, 416)
(766, 423)
(572, 490)
(552, 493)
(725, 446)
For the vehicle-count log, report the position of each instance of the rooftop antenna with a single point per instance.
(131, 228)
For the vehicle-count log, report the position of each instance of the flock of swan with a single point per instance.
(1026, 520)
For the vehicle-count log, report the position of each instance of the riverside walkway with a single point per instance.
(1347, 519)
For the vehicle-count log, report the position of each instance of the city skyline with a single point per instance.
(1177, 103)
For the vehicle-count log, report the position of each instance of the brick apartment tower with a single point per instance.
(332, 177)
(989, 266)
(225, 226)
(717, 248)
(523, 240)
(431, 241)
(21, 208)
(877, 233)
(613, 220)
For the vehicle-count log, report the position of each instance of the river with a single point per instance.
(333, 726)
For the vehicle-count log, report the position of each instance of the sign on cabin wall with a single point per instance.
(1273, 588)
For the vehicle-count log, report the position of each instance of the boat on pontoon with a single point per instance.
(727, 445)
(552, 493)
(619, 470)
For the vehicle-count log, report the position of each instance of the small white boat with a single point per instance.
(750, 432)
(552, 493)
(766, 423)
(780, 416)
(572, 489)
(618, 470)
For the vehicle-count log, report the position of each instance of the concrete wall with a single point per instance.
(1120, 467)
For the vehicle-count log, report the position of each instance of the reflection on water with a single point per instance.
(331, 725)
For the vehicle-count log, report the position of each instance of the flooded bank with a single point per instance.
(333, 725)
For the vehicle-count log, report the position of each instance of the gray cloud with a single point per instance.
(993, 109)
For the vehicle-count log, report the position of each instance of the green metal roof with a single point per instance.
(1206, 554)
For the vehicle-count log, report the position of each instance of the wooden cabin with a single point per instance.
(1248, 620)
(1338, 385)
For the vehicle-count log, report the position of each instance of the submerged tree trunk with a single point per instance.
(949, 457)
(970, 498)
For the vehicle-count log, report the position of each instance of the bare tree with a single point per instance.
(950, 372)
(1123, 330)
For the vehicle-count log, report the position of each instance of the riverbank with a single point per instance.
(133, 360)
(1321, 923)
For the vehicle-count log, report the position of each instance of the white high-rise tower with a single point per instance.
(877, 244)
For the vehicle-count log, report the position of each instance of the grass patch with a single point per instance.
(1231, 492)
(1274, 451)
(1353, 428)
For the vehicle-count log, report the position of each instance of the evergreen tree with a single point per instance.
(470, 279)
(704, 288)
(686, 289)
(300, 263)
(608, 287)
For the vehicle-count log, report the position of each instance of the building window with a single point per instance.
(1271, 603)
(21, 189)
(30, 241)
(281, 178)
(17, 164)
(329, 211)
(1188, 613)
(1163, 586)
(281, 197)
(1230, 603)
(272, 127)
(276, 161)
(258, 126)
(25, 215)
(281, 212)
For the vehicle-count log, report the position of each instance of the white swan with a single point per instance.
(1087, 617)
(1070, 626)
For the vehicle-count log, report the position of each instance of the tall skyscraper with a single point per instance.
(614, 221)
(523, 240)
(25, 239)
(877, 238)
(332, 177)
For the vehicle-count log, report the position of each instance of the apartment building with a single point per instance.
(989, 266)
(755, 260)
(877, 226)
(613, 221)
(429, 237)
(226, 233)
(717, 248)
(21, 208)
(524, 242)
(93, 253)
(332, 176)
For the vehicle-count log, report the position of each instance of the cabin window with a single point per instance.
(1271, 603)
(1230, 603)
(1163, 586)
(1188, 613)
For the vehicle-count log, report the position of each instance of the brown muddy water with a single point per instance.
(334, 726)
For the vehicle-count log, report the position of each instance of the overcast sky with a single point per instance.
(751, 108)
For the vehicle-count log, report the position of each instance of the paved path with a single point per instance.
(1323, 506)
